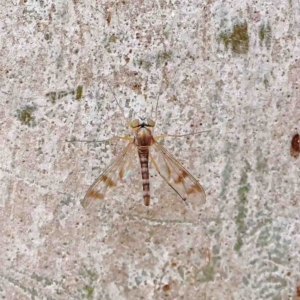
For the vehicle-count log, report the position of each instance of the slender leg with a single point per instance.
(120, 107)
(178, 135)
(159, 93)
(115, 138)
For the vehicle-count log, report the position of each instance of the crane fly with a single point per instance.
(148, 148)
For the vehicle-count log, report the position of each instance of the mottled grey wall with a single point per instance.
(229, 66)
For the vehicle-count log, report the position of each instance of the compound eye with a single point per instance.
(135, 123)
(150, 123)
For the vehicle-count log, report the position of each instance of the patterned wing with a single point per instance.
(118, 170)
(175, 175)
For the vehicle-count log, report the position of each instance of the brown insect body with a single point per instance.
(143, 140)
(295, 146)
(172, 172)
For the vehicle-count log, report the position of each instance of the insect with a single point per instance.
(295, 146)
(148, 148)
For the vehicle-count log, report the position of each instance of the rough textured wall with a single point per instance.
(229, 66)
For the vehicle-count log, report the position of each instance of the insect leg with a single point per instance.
(120, 107)
(115, 138)
(179, 135)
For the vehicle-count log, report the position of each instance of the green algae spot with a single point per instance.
(266, 83)
(91, 277)
(146, 65)
(88, 291)
(265, 35)
(109, 41)
(239, 243)
(241, 208)
(207, 274)
(47, 36)
(57, 95)
(262, 162)
(44, 280)
(241, 215)
(79, 92)
(91, 274)
(112, 38)
(226, 174)
(238, 38)
(163, 57)
(53, 96)
(25, 115)
(262, 165)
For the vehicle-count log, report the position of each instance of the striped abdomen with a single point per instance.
(144, 158)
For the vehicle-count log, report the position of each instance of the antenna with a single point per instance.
(122, 110)
(159, 93)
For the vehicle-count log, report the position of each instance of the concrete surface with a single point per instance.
(229, 66)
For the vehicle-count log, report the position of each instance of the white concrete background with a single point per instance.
(232, 66)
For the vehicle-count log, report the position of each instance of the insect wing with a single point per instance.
(118, 170)
(175, 175)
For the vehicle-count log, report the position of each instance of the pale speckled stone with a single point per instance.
(230, 66)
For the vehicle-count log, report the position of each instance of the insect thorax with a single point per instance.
(143, 137)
